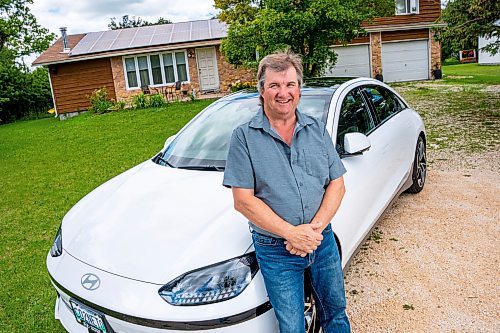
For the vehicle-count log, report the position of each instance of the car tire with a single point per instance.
(419, 171)
(311, 315)
(310, 311)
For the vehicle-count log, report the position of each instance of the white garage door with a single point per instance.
(351, 61)
(405, 61)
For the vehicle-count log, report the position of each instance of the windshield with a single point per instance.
(204, 143)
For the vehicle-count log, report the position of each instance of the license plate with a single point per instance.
(88, 317)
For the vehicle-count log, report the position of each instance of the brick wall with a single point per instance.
(193, 71)
(376, 52)
(229, 74)
(435, 54)
(121, 91)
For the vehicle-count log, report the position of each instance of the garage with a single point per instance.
(405, 61)
(351, 61)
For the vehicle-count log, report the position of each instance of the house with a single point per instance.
(400, 47)
(128, 61)
(485, 58)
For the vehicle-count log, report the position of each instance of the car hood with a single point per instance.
(153, 223)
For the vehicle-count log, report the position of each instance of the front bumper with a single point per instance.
(131, 306)
(265, 322)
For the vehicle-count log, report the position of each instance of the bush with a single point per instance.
(142, 101)
(99, 101)
(451, 61)
(117, 106)
(139, 101)
(238, 85)
(156, 101)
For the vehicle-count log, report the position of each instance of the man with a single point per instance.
(286, 179)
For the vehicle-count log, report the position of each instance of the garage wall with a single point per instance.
(352, 60)
(405, 61)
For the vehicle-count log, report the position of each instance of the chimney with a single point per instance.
(65, 39)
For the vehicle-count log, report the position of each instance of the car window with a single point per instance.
(315, 106)
(205, 142)
(354, 117)
(385, 102)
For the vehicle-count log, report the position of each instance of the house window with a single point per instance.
(143, 70)
(180, 60)
(156, 69)
(406, 7)
(168, 64)
(131, 74)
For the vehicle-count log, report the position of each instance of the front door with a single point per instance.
(207, 69)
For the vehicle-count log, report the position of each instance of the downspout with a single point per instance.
(52, 92)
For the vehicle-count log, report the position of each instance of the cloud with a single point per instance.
(95, 15)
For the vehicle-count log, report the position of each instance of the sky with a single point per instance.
(80, 16)
(94, 15)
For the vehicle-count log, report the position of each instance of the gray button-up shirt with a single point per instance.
(289, 179)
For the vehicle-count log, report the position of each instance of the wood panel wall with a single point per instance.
(429, 11)
(73, 83)
(389, 36)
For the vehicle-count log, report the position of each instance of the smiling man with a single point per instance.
(286, 179)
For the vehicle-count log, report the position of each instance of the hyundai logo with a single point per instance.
(90, 281)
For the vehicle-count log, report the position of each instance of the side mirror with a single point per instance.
(169, 141)
(356, 143)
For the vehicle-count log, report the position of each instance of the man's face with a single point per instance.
(281, 93)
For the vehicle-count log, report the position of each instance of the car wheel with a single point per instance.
(310, 310)
(419, 167)
(311, 315)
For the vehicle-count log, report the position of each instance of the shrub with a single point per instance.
(117, 106)
(139, 101)
(451, 61)
(238, 85)
(156, 101)
(99, 101)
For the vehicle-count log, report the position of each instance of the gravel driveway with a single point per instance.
(431, 265)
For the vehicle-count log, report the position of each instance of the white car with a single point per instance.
(160, 247)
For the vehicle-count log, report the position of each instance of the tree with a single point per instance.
(22, 92)
(467, 20)
(134, 22)
(306, 27)
(19, 30)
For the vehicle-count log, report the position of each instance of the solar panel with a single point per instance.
(103, 41)
(160, 39)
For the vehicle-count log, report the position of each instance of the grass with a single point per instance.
(462, 111)
(471, 73)
(46, 166)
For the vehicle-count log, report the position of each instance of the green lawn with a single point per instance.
(471, 73)
(46, 166)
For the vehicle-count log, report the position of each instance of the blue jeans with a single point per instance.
(284, 279)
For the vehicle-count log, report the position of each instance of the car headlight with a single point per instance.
(211, 284)
(56, 249)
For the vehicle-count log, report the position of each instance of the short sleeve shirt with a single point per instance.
(291, 180)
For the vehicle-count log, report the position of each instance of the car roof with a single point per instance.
(252, 93)
(327, 81)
